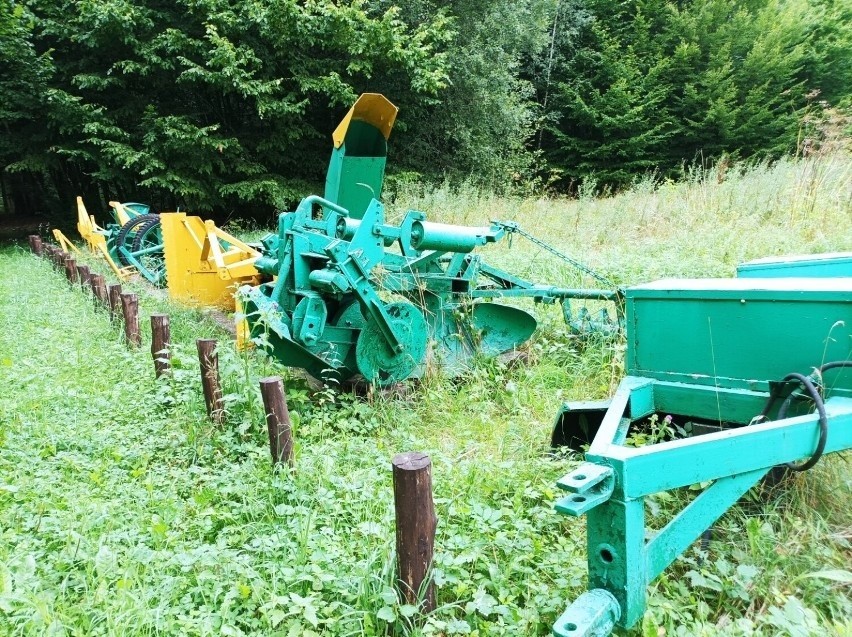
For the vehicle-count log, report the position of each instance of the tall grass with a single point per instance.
(698, 227)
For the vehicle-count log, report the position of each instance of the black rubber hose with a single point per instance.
(823, 422)
(820, 370)
(834, 365)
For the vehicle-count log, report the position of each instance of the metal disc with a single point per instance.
(501, 327)
(377, 362)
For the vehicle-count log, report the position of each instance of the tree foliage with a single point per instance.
(645, 86)
(226, 105)
(213, 103)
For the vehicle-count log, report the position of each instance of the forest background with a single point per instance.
(225, 107)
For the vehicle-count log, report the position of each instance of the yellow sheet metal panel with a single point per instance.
(373, 108)
(192, 250)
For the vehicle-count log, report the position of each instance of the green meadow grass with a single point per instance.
(123, 511)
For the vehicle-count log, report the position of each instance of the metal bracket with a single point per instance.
(593, 614)
(591, 484)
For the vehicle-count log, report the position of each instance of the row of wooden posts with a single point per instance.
(412, 472)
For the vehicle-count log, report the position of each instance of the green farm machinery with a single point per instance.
(356, 296)
(132, 242)
(755, 376)
(344, 304)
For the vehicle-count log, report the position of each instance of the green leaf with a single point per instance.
(387, 614)
(407, 610)
(835, 575)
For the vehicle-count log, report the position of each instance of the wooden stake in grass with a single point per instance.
(415, 527)
(59, 259)
(35, 244)
(71, 270)
(99, 290)
(114, 293)
(84, 275)
(277, 420)
(161, 343)
(130, 309)
(210, 379)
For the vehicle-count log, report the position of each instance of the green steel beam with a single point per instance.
(677, 536)
(812, 265)
(686, 460)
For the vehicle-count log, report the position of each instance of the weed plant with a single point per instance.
(123, 511)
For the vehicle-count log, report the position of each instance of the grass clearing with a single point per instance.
(124, 512)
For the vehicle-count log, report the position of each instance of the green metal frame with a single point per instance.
(811, 265)
(133, 210)
(797, 324)
(328, 310)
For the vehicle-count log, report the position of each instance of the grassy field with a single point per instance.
(124, 512)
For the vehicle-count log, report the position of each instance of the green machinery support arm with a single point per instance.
(709, 355)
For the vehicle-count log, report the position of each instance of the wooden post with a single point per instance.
(71, 270)
(161, 342)
(114, 293)
(35, 244)
(210, 379)
(99, 290)
(415, 527)
(277, 420)
(130, 309)
(85, 276)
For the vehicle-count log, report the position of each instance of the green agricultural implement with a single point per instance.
(752, 373)
(139, 244)
(355, 295)
(345, 304)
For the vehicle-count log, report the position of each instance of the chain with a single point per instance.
(513, 228)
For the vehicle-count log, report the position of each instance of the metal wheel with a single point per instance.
(148, 252)
(377, 362)
(127, 233)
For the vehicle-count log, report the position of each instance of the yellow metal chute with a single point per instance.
(373, 108)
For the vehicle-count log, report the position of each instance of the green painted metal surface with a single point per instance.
(137, 242)
(738, 333)
(594, 614)
(703, 355)
(356, 170)
(344, 304)
(835, 264)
